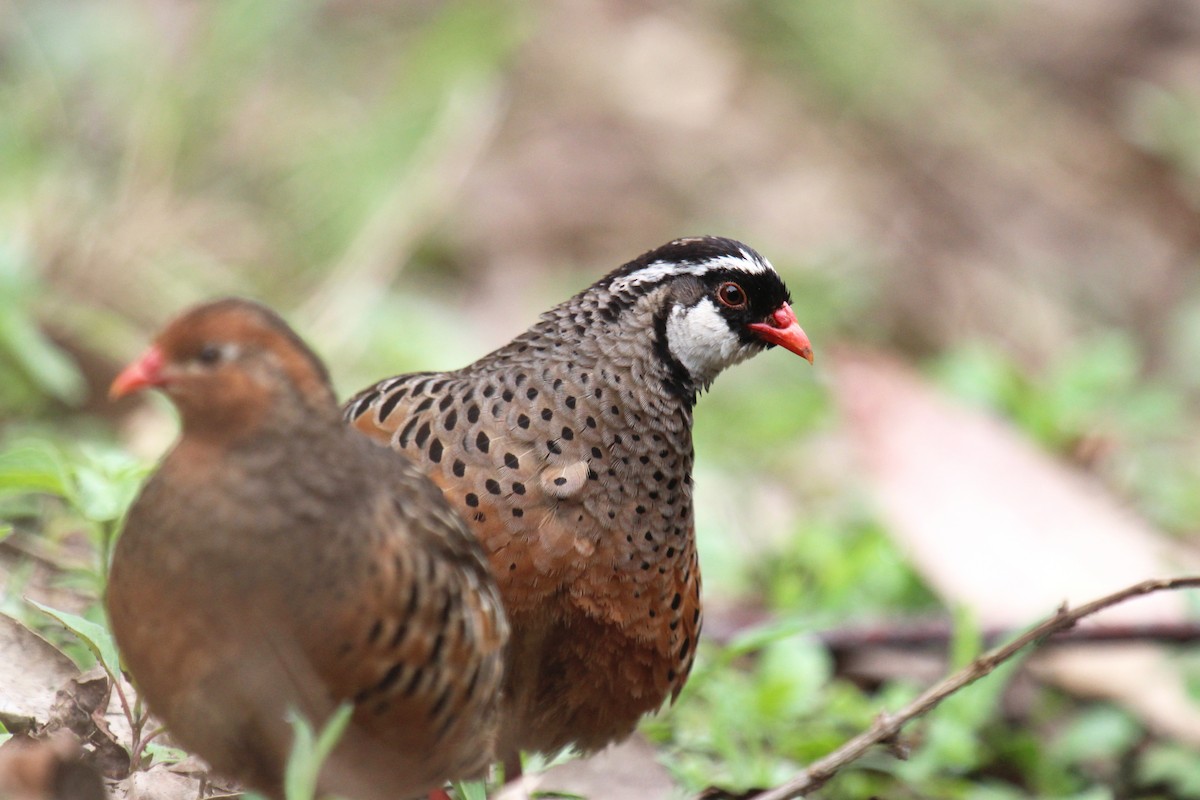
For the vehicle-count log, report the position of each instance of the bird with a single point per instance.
(569, 452)
(279, 562)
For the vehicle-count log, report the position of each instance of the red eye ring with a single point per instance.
(731, 295)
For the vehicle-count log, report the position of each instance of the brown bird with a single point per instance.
(569, 452)
(278, 559)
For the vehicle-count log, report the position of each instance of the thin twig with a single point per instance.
(936, 634)
(887, 726)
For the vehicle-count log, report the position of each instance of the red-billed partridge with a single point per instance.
(279, 560)
(569, 452)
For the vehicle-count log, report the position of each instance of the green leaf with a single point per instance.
(33, 466)
(45, 365)
(470, 790)
(309, 752)
(97, 638)
(164, 754)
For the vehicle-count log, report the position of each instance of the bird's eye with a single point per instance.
(731, 295)
(209, 354)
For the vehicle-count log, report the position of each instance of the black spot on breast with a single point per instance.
(614, 410)
(414, 597)
(389, 679)
(376, 629)
(553, 447)
(479, 517)
(671, 554)
(459, 468)
(597, 453)
(488, 391)
(658, 476)
(523, 421)
(644, 459)
(423, 405)
(670, 674)
(390, 404)
(438, 644)
(451, 420)
(507, 395)
(645, 565)
(411, 686)
(363, 404)
(516, 512)
(437, 386)
(568, 434)
(560, 481)
(471, 684)
(440, 704)
(687, 645)
(511, 461)
(422, 435)
(518, 487)
(570, 401)
(598, 392)
(591, 422)
(640, 509)
(558, 382)
(592, 475)
(445, 402)
(472, 500)
(482, 442)
(521, 378)
(435, 450)
(547, 414)
(492, 486)
(407, 431)
(472, 413)
(532, 393)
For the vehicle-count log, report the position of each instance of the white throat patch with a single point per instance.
(700, 338)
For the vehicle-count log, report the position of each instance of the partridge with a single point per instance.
(569, 452)
(278, 560)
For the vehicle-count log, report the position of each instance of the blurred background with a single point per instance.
(1001, 195)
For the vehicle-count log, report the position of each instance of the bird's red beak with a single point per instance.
(781, 328)
(145, 372)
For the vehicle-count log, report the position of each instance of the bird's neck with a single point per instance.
(625, 346)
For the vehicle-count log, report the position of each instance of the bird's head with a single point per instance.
(228, 365)
(719, 302)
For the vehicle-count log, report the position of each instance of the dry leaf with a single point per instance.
(993, 523)
(31, 672)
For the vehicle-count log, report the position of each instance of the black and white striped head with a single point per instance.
(720, 302)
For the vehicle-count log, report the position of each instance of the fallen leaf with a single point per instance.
(994, 523)
(31, 672)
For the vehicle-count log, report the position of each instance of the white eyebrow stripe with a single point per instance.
(657, 270)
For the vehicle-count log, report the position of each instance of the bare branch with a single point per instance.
(887, 726)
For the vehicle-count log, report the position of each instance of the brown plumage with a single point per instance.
(278, 559)
(569, 453)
